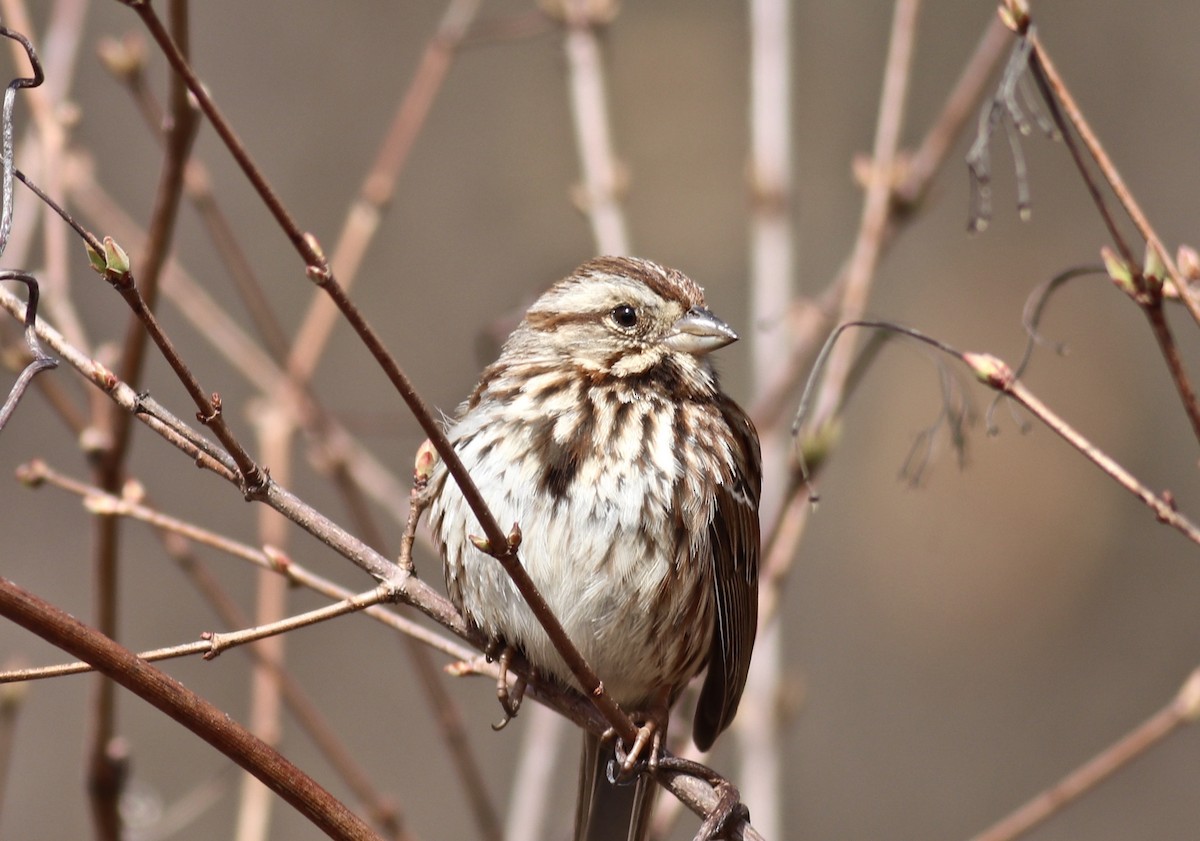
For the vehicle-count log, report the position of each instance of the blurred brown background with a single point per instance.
(961, 645)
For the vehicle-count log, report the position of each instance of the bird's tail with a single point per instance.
(607, 811)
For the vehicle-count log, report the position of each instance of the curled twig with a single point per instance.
(40, 361)
(1031, 317)
(6, 153)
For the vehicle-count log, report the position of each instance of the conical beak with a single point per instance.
(699, 332)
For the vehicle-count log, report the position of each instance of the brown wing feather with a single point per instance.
(734, 541)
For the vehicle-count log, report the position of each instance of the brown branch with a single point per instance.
(997, 374)
(1153, 308)
(184, 706)
(254, 481)
(335, 446)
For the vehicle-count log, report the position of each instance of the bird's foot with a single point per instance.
(510, 698)
(645, 750)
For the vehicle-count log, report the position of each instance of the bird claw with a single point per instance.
(624, 765)
(510, 699)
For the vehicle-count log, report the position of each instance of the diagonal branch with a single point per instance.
(184, 706)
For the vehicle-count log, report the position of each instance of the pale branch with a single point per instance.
(599, 195)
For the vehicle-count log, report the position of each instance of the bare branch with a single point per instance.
(185, 707)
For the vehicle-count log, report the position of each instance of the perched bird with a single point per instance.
(603, 432)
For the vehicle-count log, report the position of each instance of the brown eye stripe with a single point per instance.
(548, 322)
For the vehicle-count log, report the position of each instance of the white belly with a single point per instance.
(590, 551)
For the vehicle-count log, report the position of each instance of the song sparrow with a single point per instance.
(603, 432)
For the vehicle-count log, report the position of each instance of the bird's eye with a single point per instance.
(624, 315)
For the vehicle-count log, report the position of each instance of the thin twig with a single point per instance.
(212, 643)
(998, 375)
(39, 361)
(6, 154)
(98, 502)
(254, 482)
(335, 446)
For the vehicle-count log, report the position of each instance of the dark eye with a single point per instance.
(624, 315)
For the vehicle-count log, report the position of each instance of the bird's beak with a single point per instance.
(698, 332)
